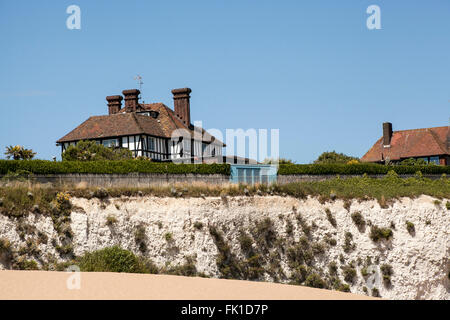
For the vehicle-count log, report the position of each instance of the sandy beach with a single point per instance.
(31, 285)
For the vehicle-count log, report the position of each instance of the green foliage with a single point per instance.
(330, 218)
(447, 205)
(375, 292)
(113, 259)
(140, 237)
(414, 162)
(226, 261)
(198, 225)
(377, 233)
(23, 264)
(334, 157)
(357, 169)
(315, 281)
(349, 273)
(19, 153)
(111, 220)
(349, 245)
(168, 236)
(386, 271)
(110, 167)
(410, 227)
(188, 269)
(246, 242)
(92, 151)
(358, 219)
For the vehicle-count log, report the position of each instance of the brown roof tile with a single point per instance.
(411, 143)
(131, 123)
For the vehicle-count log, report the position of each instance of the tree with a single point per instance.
(19, 153)
(334, 157)
(280, 161)
(91, 151)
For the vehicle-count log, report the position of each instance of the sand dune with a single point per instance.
(53, 285)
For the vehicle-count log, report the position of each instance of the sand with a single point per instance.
(31, 285)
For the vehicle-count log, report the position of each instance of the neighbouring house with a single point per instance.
(429, 144)
(149, 130)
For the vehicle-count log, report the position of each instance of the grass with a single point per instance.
(16, 202)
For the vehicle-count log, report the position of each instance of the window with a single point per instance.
(151, 144)
(434, 160)
(111, 143)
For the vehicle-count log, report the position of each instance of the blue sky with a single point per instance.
(311, 69)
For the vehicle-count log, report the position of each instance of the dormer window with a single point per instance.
(152, 113)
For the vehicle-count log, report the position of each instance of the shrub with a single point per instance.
(375, 292)
(112, 259)
(111, 220)
(299, 274)
(140, 237)
(357, 169)
(349, 273)
(332, 268)
(168, 236)
(188, 269)
(264, 233)
(92, 151)
(377, 233)
(5, 246)
(198, 225)
(246, 242)
(358, 219)
(348, 244)
(330, 217)
(386, 271)
(410, 227)
(447, 205)
(315, 281)
(334, 157)
(23, 264)
(19, 153)
(110, 167)
(226, 261)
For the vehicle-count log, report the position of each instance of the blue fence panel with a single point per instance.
(253, 173)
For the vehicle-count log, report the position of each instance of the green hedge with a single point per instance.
(358, 169)
(143, 166)
(103, 167)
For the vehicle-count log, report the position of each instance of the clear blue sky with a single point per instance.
(309, 68)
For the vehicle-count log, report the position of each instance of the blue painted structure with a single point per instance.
(253, 173)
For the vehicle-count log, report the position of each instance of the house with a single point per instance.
(429, 144)
(150, 130)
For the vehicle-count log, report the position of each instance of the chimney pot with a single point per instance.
(114, 104)
(131, 99)
(387, 133)
(181, 101)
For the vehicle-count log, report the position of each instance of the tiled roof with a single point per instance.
(411, 143)
(131, 123)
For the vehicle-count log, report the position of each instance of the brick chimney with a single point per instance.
(181, 104)
(114, 104)
(131, 99)
(387, 134)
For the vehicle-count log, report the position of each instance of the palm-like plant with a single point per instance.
(19, 153)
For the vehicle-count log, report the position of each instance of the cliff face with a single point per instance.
(268, 238)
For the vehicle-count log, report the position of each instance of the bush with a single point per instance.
(330, 217)
(348, 243)
(358, 219)
(92, 151)
(410, 227)
(357, 169)
(198, 225)
(334, 157)
(111, 220)
(349, 273)
(377, 233)
(447, 205)
(110, 167)
(386, 271)
(113, 259)
(315, 281)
